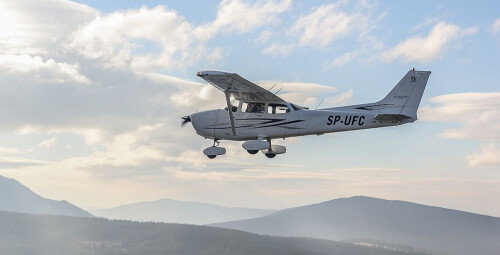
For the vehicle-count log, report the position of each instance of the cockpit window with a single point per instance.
(277, 108)
(253, 107)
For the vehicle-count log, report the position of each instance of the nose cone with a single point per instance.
(202, 121)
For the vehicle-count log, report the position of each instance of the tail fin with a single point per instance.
(404, 99)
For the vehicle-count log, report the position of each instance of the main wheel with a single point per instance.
(270, 155)
(253, 151)
(211, 156)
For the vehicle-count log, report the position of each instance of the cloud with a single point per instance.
(489, 156)
(326, 24)
(431, 47)
(495, 27)
(37, 27)
(242, 17)
(47, 143)
(144, 39)
(152, 39)
(478, 114)
(323, 25)
(44, 71)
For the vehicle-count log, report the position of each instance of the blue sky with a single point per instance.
(93, 93)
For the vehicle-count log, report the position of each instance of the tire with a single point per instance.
(270, 155)
(253, 151)
(211, 156)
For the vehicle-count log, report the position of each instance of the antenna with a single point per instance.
(319, 103)
(272, 87)
(278, 91)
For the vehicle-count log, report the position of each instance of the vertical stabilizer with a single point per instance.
(405, 97)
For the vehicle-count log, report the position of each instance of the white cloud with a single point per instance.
(426, 49)
(323, 25)
(47, 143)
(489, 156)
(46, 71)
(144, 39)
(235, 15)
(478, 114)
(276, 49)
(495, 27)
(264, 36)
(326, 24)
(37, 27)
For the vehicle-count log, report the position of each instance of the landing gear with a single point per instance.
(273, 150)
(214, 150)
(253, 151)
(270, 155)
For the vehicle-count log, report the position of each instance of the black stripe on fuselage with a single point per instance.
(254, 125)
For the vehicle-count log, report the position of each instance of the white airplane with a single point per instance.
(261, 116)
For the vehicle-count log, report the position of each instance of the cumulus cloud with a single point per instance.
(489, 156)
(495, 27)
(425, 49)
(116, 39)
(239, 16)
(159, 38)
(325, 24)
(45, 71)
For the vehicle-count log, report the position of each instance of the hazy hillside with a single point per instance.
(168, 210)
(22, 234)
(16, 197)
(401, 222)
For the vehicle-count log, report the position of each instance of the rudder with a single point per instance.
(405, 97)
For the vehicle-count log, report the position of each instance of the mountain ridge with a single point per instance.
(16, 197)
(422, 226)
(171, 210)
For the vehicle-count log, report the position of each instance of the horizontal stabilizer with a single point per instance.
(397, 117)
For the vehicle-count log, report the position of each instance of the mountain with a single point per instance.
(169, 210)
(428, 227)
(22, 234)
(16, 197)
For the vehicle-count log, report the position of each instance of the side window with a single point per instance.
(277, 109)
(253, 107)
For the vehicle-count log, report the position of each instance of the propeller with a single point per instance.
(185, 120)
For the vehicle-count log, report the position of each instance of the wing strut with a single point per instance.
(230, 111)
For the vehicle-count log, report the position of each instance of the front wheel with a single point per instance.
(270, 155)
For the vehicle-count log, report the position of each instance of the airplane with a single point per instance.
(260, 116)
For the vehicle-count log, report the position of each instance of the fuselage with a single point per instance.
(215, 124)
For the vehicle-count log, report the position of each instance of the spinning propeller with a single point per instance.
(185, 120)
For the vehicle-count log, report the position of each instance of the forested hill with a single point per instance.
(426, 227)
(22, 234)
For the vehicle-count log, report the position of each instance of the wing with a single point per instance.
(238, 87)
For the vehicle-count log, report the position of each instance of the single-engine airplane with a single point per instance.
(261, 116)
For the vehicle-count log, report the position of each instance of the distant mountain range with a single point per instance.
(436, 229)
(16, 197)
(22, 234)
(174, 211)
